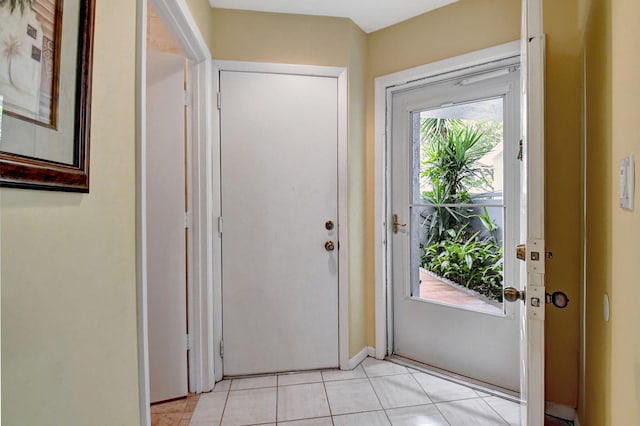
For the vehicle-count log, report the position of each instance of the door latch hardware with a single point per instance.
(521, 253)
(329, 246)
(557, 299)
(396, 224)
(328, 225)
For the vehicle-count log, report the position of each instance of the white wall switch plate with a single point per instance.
(627, 182)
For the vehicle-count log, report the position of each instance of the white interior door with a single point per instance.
(166, 249)
(459, 218)
(279, 190)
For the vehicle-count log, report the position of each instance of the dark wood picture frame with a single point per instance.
(21, 171)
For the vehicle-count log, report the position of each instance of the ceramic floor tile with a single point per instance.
(166, 419)
(322, 421)
(440, 390)
(248, 407)
(422, 415)
(299, 378)
(177, 406)
(210, 407)
(399, 391)
(375, 368)
(331, 375)
(351, 396)
(302, 402)
(254, 382)
(470, 412)
(222, 386)
(372, 418)
(508, 410)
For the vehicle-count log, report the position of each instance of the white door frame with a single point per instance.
(177, 18)
(343, 252)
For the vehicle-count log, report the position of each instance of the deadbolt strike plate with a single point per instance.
(536, 297)
(536, 258)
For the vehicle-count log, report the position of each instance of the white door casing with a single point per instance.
(279, 186)
(166, 261)
(434, 333)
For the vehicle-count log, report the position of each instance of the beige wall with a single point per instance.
(312, 40)
(612, 387)
(625, 267)
(69, 345)
(595, 405)
(203, 15)
(563, 198)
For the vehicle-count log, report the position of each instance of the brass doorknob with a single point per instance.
(397, 224)
(511, 294)
(328, 246)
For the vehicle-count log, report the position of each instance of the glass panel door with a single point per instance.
(458, 208)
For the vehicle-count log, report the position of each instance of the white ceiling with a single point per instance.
(370, 15)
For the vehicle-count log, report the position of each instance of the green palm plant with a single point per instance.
(15, 3)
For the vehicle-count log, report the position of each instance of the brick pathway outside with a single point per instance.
(435, 290)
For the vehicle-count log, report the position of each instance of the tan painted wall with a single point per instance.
(203, 15)
(312, 40)
(612, 386)
(563, 198)
(595, 408)
(625, 267)
(69, 345)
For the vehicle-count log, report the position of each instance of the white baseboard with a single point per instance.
(360, 356)
(561, 411)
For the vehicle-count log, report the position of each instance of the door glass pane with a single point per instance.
(458, 205)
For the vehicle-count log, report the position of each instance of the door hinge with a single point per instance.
(187, 220)
(219, 97)
(188, 99)
(221, 349)
(189, 342)
(220, 225)
(520, 152)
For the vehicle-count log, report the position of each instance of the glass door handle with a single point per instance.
(396, 224)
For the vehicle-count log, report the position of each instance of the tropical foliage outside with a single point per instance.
(462, 244)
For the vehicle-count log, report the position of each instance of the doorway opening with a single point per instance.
(182, 165)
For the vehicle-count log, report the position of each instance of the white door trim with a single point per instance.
(384, 88)
(181, 24)
(343, 258)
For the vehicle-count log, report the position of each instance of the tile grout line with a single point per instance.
(277, 393)
(435, 404)
(376, 394)
(324, 385)
(224, 408)
(495, 411)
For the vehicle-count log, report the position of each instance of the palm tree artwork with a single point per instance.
(11, 50)
(11, 46)
(15, 3)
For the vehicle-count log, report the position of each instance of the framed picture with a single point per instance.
(45, 84)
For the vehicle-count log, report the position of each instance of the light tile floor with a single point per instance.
(374, 393)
